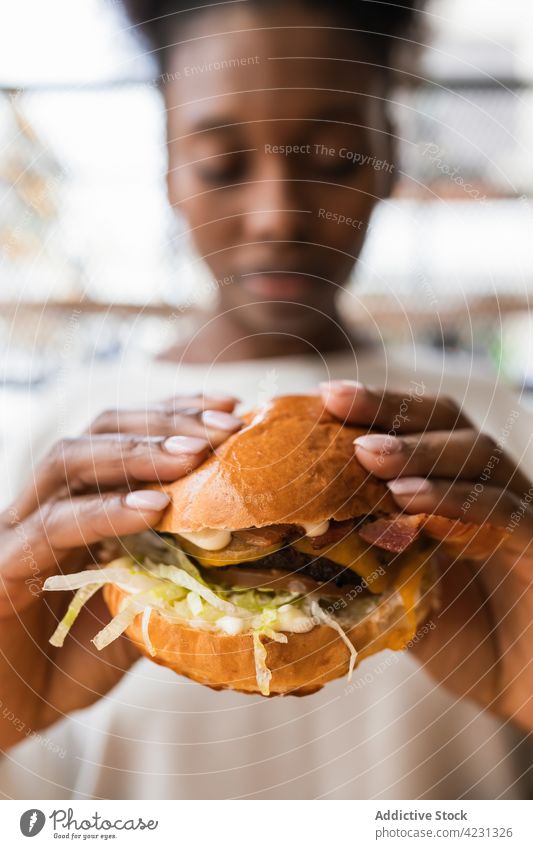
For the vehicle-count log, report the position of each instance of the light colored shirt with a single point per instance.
(392, 733)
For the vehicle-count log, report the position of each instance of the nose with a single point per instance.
(273, 211)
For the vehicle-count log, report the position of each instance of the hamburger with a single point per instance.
(279, 564)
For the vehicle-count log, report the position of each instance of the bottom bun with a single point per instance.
(299, 667)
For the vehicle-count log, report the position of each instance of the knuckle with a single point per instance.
(128, 442)
(191, 412)
(93, 513)
(417, 446)
(395, 409)
(375, 393)
(410, 442)
(130, 448)
(176, 418)
(98, 514)
(43, 520)
(9, 518)
(17, 545)
(448, 403)
(90, 506)
(58, 453)
(485, 442)
(103, 420)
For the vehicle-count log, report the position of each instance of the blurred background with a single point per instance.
(87, 241)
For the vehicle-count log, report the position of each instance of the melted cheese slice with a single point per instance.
(408, 585)
(353, 553)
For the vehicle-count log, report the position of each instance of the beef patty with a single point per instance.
(296, 563)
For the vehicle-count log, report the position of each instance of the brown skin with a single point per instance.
(78, 498)
(260, 216)
(254, 213)
(482, 645)
(256, 209)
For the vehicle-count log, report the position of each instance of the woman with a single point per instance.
(276, 122)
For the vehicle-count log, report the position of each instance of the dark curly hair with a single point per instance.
(380, 22)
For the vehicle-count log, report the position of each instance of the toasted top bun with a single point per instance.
(292, 462)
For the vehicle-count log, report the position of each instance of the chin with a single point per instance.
(284, 316)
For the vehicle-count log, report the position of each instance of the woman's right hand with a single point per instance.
(86, 489)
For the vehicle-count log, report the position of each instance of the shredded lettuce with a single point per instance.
(257, 601)
(122, 620)
(189, 581)
(147, 615)
(195, 603)
(324, 617)
(121, 572)
(174, 588)
(277, 636)
(263, 674)
(82, 596)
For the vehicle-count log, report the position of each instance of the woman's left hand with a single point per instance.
(435, 461)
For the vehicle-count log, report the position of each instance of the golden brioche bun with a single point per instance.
(299, 667)
(293, 462)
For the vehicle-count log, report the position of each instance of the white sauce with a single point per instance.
(209, 539)
(231, 625)
(194, 603)
(315, 530)
(293, 620)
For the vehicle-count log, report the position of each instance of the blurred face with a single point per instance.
(274, 159)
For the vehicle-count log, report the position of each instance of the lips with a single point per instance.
(277, 285)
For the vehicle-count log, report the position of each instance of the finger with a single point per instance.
(213, 425)
(208, 401)
(409, 412)
(76, 465)
(469, 502)
(33, 548)
(463, 454)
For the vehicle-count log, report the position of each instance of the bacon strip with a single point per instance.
(263, 537)
(461, 539)
(395, 534)
(335, 533)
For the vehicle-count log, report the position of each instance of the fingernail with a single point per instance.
(341, 387)
(218, 420)
(409, 486)
(378, 443)
(185, 444)
(147, 499)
